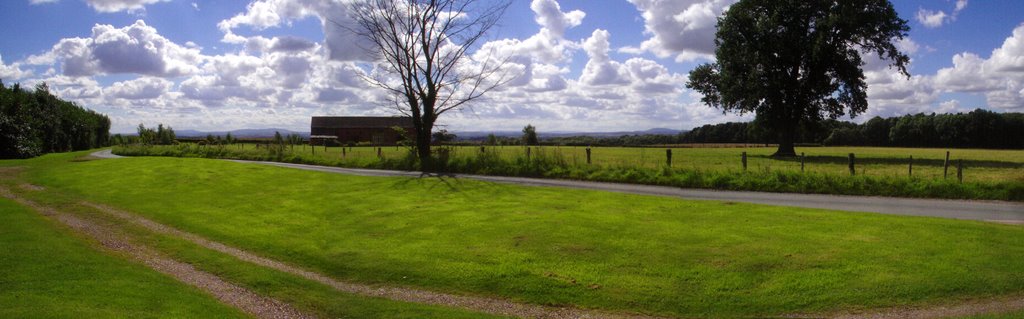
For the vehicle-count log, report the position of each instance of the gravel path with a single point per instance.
(228, 293)
(481, 304)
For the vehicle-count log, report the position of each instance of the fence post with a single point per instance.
(910, 167)
(960, 171)
(801, 162)
(945, 166)
(325, 145)
(379, 153)
(312, 146)
(668, 156)
(588, 155)
(744, 161)
(342, 152)
(852, 170)
(528, 153)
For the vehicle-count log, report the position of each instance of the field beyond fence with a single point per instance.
(984, 174)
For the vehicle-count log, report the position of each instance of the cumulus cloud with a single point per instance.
(684, 29)
(137, 89)
(341, 44)
(12, 71)
(1000, 77)
(108, 6)
(936, 18)
(134, 49)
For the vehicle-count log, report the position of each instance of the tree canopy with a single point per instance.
(36, 122)
(795, 62)
(421, 47)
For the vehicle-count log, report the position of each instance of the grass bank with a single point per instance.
(45, 272)
(996, 175)
(560, 247)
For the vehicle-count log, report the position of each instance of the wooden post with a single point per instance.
(910, 167)
(379, 153)
(588, 155)
(325, 145)
(960, 171)
(668, 156)
(343, 152)
(312, 146)
(945, 166)
(528, 152)
(852, 170)
(801, 162)
(744, 161)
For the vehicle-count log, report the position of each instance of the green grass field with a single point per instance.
(560, 247)
(45, 272)
(988, 174)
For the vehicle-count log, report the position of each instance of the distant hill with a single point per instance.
(242, 133)
(472, 135)
(467, 135)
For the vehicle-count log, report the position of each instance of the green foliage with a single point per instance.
(796, 62)
(530, 135)
(36, 122)
(162, 135)
(443, 136)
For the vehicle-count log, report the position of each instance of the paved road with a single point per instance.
(995, 211)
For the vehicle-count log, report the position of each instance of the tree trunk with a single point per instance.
(786, 148)
(423, 148)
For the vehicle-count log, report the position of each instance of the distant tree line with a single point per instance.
(35, 122)
(977, 129)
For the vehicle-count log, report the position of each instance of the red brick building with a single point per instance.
(377, 130)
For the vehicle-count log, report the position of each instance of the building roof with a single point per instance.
(361, 121)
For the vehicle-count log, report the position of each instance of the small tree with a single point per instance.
(442, 136)
(491, 139)
(422, 48)
(530, 135)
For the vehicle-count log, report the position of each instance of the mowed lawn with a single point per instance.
(45, 272)
(980, 165)
(556, 246)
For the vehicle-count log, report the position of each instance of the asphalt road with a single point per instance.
(993, 211)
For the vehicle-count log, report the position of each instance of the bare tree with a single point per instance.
(422, 48)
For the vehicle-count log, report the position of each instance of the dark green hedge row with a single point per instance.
(36, 122)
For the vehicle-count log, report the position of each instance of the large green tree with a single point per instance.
(796, 62)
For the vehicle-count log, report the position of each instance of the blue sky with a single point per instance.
(587, 65)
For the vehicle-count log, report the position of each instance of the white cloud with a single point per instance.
(1000, 77)
(601, 70)
(137, 89)
(936, 18)
(108, 6)
(550, 16)
(684, 29)
(341, 44)
(13, 71)
(120, 5)
(134, 49)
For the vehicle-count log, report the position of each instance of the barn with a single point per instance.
(377, 130)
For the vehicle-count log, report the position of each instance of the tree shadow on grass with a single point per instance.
(453, 183)
(843, 160)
